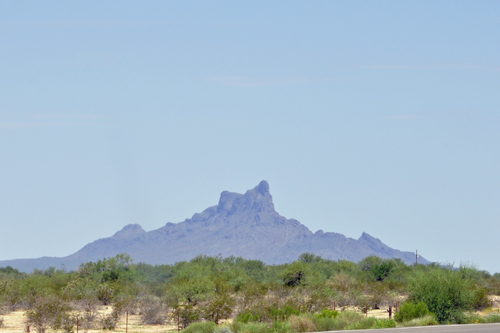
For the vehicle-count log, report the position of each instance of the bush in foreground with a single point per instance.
(409, 311)
(422, 321)
(49, 312)
(446, 292)
(200, 327)
(492, 317)
(252, 327)
(302, 323)
(327, 314)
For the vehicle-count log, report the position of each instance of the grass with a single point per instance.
(489, 317)
(302, 323)
(423, 321)
(200, 327)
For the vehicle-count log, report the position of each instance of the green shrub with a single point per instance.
(325, 324)
(481, 300)
(363, 324)
(224, 328)
(346, 318)
(385, 323)
(446, 292)
(186, 314)
(342, 321)
(283, 313)
(295, 274)
(48, 312)
(200, 327)
(219, 306)
(492, 318)
(327, 314)
(350, 316)
(280, 327)
(409, 311)
(325, 320)
(246, 317)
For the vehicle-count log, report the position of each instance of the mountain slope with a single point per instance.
(243, 225)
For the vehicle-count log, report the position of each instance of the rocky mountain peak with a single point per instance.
(243, 225)
(262, 188)
(129, 230)
(256, 200)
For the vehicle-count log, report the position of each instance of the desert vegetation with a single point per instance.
(214, 294)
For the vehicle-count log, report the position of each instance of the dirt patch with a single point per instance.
(15, 322)
(495, 301)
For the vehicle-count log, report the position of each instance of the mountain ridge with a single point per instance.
(244, 225)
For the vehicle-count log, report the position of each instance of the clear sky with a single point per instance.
(375, 116)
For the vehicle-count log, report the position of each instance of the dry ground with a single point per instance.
(14, 322)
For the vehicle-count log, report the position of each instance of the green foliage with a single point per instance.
(327, 314)
(346, 318)
(380, 272)
(446, 292)
(325, 324)
(283, 313)
(423, 321)
(481, 300)
(308, 257)
(318, 297)
(409, 311)
(295, 274)
(363, 324)
(346, 288)
(385, 323)
(186, 315)
(252, 327)
(340, 322)
(200, 327)
(105, 293)
(492, 317)
(219, 306)
(10, 273)
(247, 317)
(269, 298)
(377, 269)
(280, 327)
(49, 312)
(367, 263)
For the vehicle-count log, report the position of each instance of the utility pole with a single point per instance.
(416, 257)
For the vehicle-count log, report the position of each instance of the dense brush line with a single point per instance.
(209, 289)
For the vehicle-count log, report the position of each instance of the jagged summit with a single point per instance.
(258, 199)
(244, 225)
(262, 188)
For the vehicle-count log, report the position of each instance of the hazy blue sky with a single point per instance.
(375, 116)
